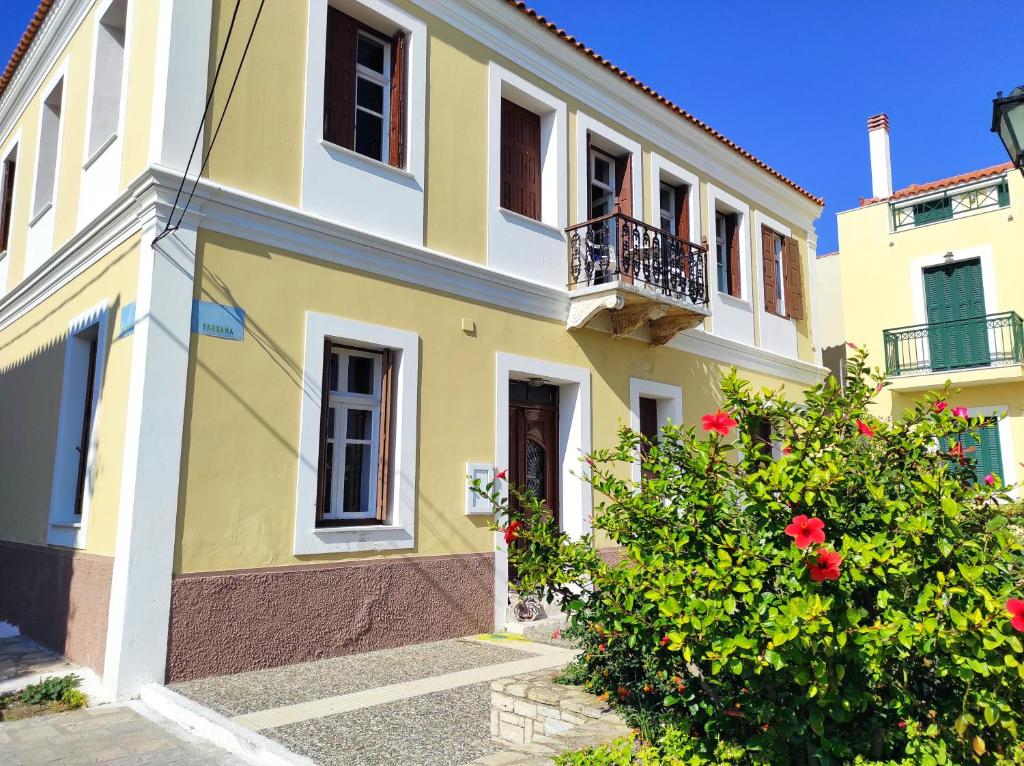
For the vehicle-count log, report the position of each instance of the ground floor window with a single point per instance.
(978, 448)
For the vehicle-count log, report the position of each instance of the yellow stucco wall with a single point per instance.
(237, 502)
(32, 352)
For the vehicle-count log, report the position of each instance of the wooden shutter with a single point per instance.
(732, 233)
(624, 184)
(520, 160)
(396, 134)
(682, 211)
(792, 278)
(768, 263)
(590, 183)
(340, 79)
(384, 439)
(6, 200)
(989, 457)
(325, 409)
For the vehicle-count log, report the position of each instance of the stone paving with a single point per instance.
(22, 662)
(117, 735)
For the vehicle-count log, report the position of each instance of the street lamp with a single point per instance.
(1008, 123)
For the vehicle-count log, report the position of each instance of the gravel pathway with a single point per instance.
(262, 689)
(448, 728)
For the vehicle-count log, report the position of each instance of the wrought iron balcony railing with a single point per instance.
(985, 341)
(617, 248)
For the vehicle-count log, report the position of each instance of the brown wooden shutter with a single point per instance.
(384, 439)
(683, 211)
(590, 183)
(793, 279)
(732, 234)
(520, 160)
(396, 135)
(768, 261)
(624, 184)
(6, 201)
(340, 79)
(325, 409)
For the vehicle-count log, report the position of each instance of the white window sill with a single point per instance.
(66, 534)
(39, 214)
(99, 151)
(731, 300)
(531, 223)
(67, 524)
(365, 537)
(374, 166)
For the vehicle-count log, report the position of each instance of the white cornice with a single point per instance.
(49, 43)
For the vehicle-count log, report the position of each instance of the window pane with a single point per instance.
(360, 375)
(329, 482)
(359, 422)
(370, 95)
(333, 375)
(370, 54)
(666, 199)
(368, 134)
(602, 171)
(357, 478)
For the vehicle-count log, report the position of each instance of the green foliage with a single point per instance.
(73, 698)
(711, 623)
(52, 689)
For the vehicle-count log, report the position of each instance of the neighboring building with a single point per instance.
(829, 331)
(931, 278)
(432, 237)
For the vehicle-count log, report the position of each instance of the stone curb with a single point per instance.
(219, 730)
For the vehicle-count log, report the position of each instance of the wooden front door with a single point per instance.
(533, 441)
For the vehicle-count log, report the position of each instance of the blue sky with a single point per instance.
(794, 81)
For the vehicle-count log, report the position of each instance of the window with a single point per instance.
(668, 220)
(651, 406)
(87, 343)
(354, 435)
(109, 68)
(727, 253)
(520, 160)
(648, 422)
(49, 139)
(783, 279)
(980, 448)
(6, 200)
(930, 212)
(364, 89)
(602, 183)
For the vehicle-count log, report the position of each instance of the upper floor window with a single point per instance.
(727, 253)
(7, 199)
(364, 89)
(783, 280)
(951, 204)
(108, 76)
(520, 160)
(667, 217)
(610, 183)
(49, 142)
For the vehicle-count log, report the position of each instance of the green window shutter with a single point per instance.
(1004, 194)
(988, 455)
(930, 212)
(955, 295)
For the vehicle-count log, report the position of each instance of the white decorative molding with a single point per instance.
(731, 317)
(670, 407)
(612, 141)
(664, 170)
(778, 334)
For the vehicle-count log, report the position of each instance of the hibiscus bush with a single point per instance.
(845, 592)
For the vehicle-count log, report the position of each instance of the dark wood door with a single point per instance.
(533, 441)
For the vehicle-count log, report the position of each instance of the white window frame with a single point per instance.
(517, 244)
(93, 148)
(384, 81)
(40, 209)
(721, 245)
(778, 246)
(982, 253)
(609, 188)
(398, 531)
(343, 402)
(668, 213)
(670, 407)
(777, 331)
(13, 147)
(611, 142)
(664, 171)
(66, 528)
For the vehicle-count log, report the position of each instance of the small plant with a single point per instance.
(52, 689)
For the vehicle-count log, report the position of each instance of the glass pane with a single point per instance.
(357, 478)
(602, 171)
(359, 422)
(667, 224)
(333, 375)
(370, 95)
(360, 375)
(329, 483)
(666, 199)
(368, 134)
(536, 465)
(720, 227)
(602, 203)
(332, 414)
(370, 54)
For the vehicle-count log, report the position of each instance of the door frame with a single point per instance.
(982, 253)
(576, 501)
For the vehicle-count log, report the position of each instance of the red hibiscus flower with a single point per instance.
(665, 641)
(1016, 608)
(902, 724)
(500, 474)
(960, 412)
(512, 532)
(864, 428)
(940, 405)
(787, 450)
(602, 648)
(805, 531)
(824, 566)
(989, 479)
(719, 422)
(851, 345)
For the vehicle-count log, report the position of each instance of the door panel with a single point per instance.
(955, 303)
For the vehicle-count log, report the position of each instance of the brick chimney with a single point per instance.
(881, 167)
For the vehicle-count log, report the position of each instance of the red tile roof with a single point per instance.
(26, 40)
(943, 183)
(591, 53)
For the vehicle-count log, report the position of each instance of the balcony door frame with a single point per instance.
(575, 497)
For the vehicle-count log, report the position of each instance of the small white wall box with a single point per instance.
(476, 505)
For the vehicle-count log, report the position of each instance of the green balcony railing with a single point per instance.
(985, 341)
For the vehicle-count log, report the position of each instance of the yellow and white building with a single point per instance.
(930, 281)
(432, 237)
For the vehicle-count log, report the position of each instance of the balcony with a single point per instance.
(637, 274)
(988, 347)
